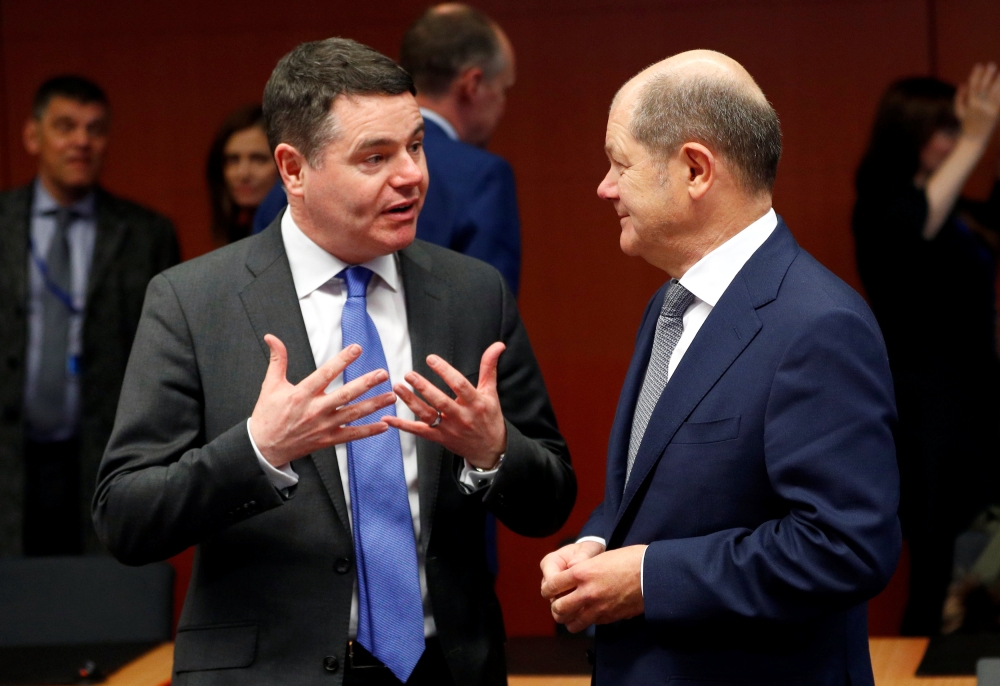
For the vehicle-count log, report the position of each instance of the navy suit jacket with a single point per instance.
(765, 485)
(471, 204)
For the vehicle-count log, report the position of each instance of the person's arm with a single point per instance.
(161, 487)
(509, 412)
(830, 456)
(977, 106)
(490, 228)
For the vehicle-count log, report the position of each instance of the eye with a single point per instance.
(416, 146)
(374, 159)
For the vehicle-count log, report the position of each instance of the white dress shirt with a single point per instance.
(449, 130)
(321, 298)
(707, 280)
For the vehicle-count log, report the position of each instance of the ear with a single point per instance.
(292, 166)
(702, 169)
(30, 135)
(468, 83)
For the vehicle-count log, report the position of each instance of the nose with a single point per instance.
(407, 173)
(608, 188)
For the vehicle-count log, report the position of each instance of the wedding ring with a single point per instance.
(437, 420)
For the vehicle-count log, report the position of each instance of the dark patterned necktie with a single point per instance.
(47, 411)
(669, 328)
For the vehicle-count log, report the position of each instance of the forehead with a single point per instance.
(61, 106)
(363, 116)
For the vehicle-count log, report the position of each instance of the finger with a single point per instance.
(355, 389)
(567, 608)
(347, 434)
(277, 366)
(432, 394)
(420, 409)
(961, 100)
(559, 583)
(975, 78)
(988, 75)
(455, 379)
(488, 366)
(317, 382)
(552, 564)
(355, 411)
(416, 428)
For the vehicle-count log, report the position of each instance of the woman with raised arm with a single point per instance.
(927, 258)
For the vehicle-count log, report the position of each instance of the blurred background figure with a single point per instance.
(927, 258)
(463, 64)
(240, 172)
(74, 264)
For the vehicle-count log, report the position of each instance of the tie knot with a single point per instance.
(64, 216)
(357, 279)
(676, 300)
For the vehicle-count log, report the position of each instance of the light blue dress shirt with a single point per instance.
(81, 235)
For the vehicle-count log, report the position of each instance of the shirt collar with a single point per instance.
(312, 266)
(449, 130)
(710, 276)
(44, 203)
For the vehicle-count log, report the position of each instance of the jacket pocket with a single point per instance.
(221, 646)
(708, 432)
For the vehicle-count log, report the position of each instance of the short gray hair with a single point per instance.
(722, 114)
(441, 44)
(306, 81)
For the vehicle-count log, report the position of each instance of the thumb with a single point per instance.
(278, 364)
(488, 366)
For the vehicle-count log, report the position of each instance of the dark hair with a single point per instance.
(306, 81)
(440, 44)
(723, 114)
(910, 112)
(226, 224)
(67, 86)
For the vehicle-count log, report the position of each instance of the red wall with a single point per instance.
(173, 70)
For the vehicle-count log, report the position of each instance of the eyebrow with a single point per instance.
(380, 142)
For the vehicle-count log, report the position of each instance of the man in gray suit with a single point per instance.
(74, 265)
(333, 547)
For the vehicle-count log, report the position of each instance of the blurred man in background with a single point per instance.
(74, 264)
(463, 64)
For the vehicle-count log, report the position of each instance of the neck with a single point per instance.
(706, 234)
(447, 108)
(64, 195)
(303, 220)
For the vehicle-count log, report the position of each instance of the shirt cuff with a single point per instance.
(595, 539)
(474, 480)
(281, 478)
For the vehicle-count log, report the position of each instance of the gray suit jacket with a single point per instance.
(270, 595)
(133, 244)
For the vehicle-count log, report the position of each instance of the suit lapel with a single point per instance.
(273, 308)
(15, 225)
(111, 230)
(429, 320)
(729, 329)
(622, 427)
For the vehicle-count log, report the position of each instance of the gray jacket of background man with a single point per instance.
(270, 595)
(133, 244)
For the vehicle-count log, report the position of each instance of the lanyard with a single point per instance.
(54, 288)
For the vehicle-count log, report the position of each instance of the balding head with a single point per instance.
(706, 97)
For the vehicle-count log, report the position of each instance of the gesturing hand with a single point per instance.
(586, 586)
(289, 422)
(471, 425)
(977, 102)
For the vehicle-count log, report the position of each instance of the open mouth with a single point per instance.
(401, 209)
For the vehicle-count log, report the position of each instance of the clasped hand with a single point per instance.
(291, 421)
(586, 585)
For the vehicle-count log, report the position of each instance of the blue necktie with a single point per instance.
(390, 609)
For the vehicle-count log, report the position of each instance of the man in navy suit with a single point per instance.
(751, 493)
(462, 64)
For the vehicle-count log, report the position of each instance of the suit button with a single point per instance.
(342, 565)
(331, 664)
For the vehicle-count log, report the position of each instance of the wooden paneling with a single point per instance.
(173, 70)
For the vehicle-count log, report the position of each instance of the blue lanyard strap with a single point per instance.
(54, 288)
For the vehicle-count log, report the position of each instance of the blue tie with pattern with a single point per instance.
(390, 609)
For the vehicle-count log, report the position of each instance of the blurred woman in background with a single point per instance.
(927, 258)
(240, 173)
